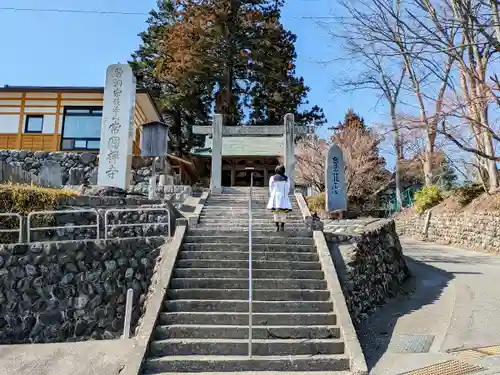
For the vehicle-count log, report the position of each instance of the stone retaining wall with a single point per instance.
(73, 291)
(370, 265)
(80, 168)
(475, 231)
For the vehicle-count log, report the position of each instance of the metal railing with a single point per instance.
(250, 290)
(29, 229)
(19, 228)
(108, 226)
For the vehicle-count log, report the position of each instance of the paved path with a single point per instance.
(454, 296)
(82, 358)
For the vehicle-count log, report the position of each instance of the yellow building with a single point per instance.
(61, 118)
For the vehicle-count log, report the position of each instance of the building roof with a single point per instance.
(245, 146)
(73, 89)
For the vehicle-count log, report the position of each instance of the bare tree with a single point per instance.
(310, 161)
(364, 168)
(378, 71)
(472, 47)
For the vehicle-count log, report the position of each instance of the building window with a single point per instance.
(34, 124)
(81, 128)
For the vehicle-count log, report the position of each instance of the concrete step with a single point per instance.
(242, 306)
(178, 283)
(259, 373)
(243, 255)
(241, 294)
(225, 225)
(164, 332)
(243, 210)
(259, 264)
(262, 319)
(231, 273)
(244, 219)
(200, 236)
(221, 364)
(240, 347)
(243, 247)
(255, 231)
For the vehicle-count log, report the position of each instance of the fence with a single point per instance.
(85, 230)
(108, 226)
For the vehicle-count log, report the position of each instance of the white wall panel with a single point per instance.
(36, 110)
(9, 123)
(49, 124)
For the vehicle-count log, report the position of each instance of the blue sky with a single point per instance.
(42, 48)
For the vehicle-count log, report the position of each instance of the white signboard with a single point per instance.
(117, 128)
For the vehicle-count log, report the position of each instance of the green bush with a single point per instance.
(316, 203)
(427, 197)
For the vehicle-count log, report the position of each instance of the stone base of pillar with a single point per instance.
(216, 190)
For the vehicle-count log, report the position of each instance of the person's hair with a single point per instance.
(280, 169)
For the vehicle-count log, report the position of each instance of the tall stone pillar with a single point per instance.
(115, 154)
(216, 172)
(289, 148)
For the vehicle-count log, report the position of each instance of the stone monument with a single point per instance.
(335, 189)
(117, 128)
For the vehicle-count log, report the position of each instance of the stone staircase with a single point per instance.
(203, 327)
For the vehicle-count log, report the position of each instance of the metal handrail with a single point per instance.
(250, 268)
(30, 229)
(108, 226)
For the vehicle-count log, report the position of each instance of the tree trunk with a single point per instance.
(399, 157)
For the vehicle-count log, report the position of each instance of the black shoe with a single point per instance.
(282, 227)
(277, 227)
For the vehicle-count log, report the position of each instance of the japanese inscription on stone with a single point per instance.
(117, 127)
(336, 197)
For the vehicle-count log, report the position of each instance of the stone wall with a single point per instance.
(475, 231)
(80, 168)
(370, 265)
(73, 291)
(76, 168)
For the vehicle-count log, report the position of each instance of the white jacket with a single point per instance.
(279, 188)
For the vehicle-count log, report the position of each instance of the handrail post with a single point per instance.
(250, 268)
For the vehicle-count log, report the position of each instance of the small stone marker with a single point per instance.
(117, 129)
(335, 189)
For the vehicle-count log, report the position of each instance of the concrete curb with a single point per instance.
(169, 253)
(195, 217)
(353, 347)
(306, 214)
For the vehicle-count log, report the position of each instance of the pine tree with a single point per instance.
(240, 50)
(181, 105)
(275, 90)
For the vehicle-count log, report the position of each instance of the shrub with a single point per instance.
(427, 197)
(468, 193)
(316, 203)
(23, 199)
(26, 198)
